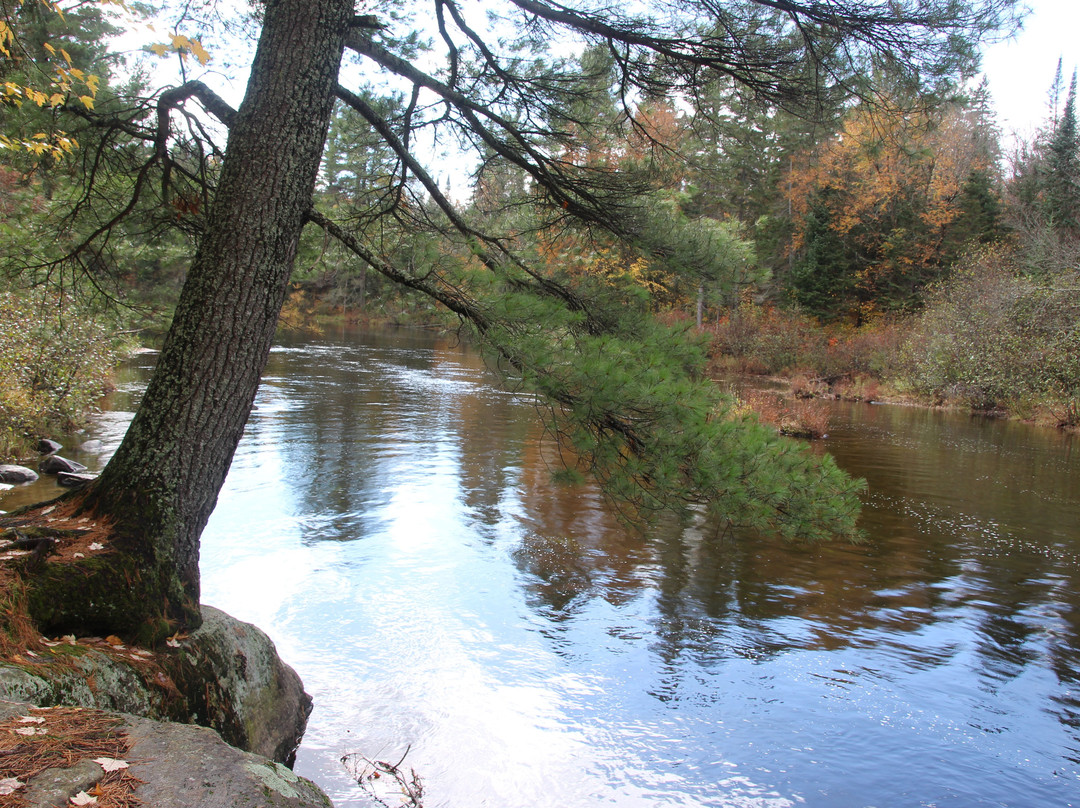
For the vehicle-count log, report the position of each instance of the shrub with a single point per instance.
(991, 335)
(768, 340)
(55, 364)
(755, 339)
(798, 418)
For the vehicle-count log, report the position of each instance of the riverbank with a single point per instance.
(211, 720)
(968, 350)
(67, 703)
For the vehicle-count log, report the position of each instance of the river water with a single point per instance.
(389, 520)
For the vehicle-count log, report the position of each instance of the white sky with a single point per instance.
(1021, 70)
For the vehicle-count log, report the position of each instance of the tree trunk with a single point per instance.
(162, 484)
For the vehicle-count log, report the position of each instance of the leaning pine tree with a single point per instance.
(626, 395)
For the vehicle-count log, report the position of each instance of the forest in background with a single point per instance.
(878, 247)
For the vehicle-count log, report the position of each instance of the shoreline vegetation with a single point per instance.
(990, 340)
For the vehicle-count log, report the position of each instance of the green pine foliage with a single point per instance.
(823, 280)
(1062, 195)
(633, 407)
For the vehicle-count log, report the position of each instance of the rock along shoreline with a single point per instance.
(213, 721)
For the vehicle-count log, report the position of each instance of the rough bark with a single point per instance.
(162, 484)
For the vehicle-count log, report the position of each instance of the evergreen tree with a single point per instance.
(1062, 192)
(823, 281)
(627, 395)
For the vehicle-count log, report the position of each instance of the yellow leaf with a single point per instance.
(200, 52)
(160, 49)
(87, 100)
(49, 48)
(179, 41)
(66, 55)
(40, 136)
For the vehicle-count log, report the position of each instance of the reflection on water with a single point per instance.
(390, 520)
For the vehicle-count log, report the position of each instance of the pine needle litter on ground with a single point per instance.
(59, 737)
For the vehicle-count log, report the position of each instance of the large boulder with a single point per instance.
(54, 464)
(86, 675)
(236, 683)
(16, 474)
(179, 766)
(226, 675)
(182, 766)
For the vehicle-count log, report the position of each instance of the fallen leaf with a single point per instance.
(50, 643)
(172, 643)
(9, 785)
(31, 731)
(31, 719)
(111, 764)
(69, 639)
(114, 641)
(50, 509)
(82, 798)
(78, 555)
(96, 546)
(31, 653)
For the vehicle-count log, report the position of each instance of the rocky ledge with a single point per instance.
(226, 677)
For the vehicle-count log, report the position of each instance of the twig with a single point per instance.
(368, 772)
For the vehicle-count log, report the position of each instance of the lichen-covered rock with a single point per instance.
(235, 682)
(90, 678)
(226, 675)
(179, 766)
(182, 766)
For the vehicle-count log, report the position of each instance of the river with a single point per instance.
(389, 520)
